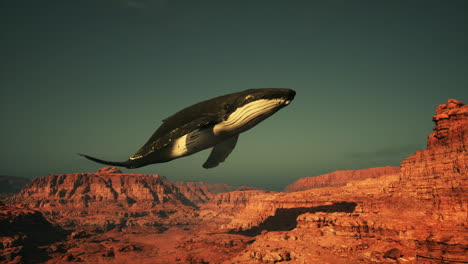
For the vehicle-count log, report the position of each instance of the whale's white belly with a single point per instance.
(193, 142)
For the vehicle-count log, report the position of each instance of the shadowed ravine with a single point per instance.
(285, 219)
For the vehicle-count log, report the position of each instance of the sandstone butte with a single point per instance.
(413, 214)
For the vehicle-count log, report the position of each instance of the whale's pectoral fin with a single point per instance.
(220, 152)
(171, 130)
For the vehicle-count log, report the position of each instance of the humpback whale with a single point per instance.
(214, 123)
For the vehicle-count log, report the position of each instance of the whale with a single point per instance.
(215, 123)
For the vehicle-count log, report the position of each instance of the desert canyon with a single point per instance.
(414, 213)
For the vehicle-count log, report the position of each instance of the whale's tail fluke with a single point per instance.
(125, 164)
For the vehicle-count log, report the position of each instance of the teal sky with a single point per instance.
(97, 77)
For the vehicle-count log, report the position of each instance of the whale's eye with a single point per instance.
(228, 107)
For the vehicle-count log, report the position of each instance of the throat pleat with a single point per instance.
(245, 115)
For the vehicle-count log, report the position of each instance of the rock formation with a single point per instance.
(339, 178)
(110, 199)
(224, 206)
(437, 176)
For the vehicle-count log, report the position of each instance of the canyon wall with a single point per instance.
(437, 176)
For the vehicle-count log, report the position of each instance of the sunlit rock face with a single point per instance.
(437, 176)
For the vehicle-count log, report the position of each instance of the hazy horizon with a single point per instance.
(97, 77)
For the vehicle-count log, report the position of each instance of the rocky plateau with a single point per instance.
(415, 213)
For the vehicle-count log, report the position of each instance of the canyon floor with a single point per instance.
(414, 213)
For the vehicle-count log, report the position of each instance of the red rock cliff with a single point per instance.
(437, 176)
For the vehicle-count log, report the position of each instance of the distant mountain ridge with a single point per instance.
(10, 185)
(213, 188)
(339, 178)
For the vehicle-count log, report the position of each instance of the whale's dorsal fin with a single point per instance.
(220, 152)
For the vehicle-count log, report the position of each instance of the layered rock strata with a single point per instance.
(437, 177)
